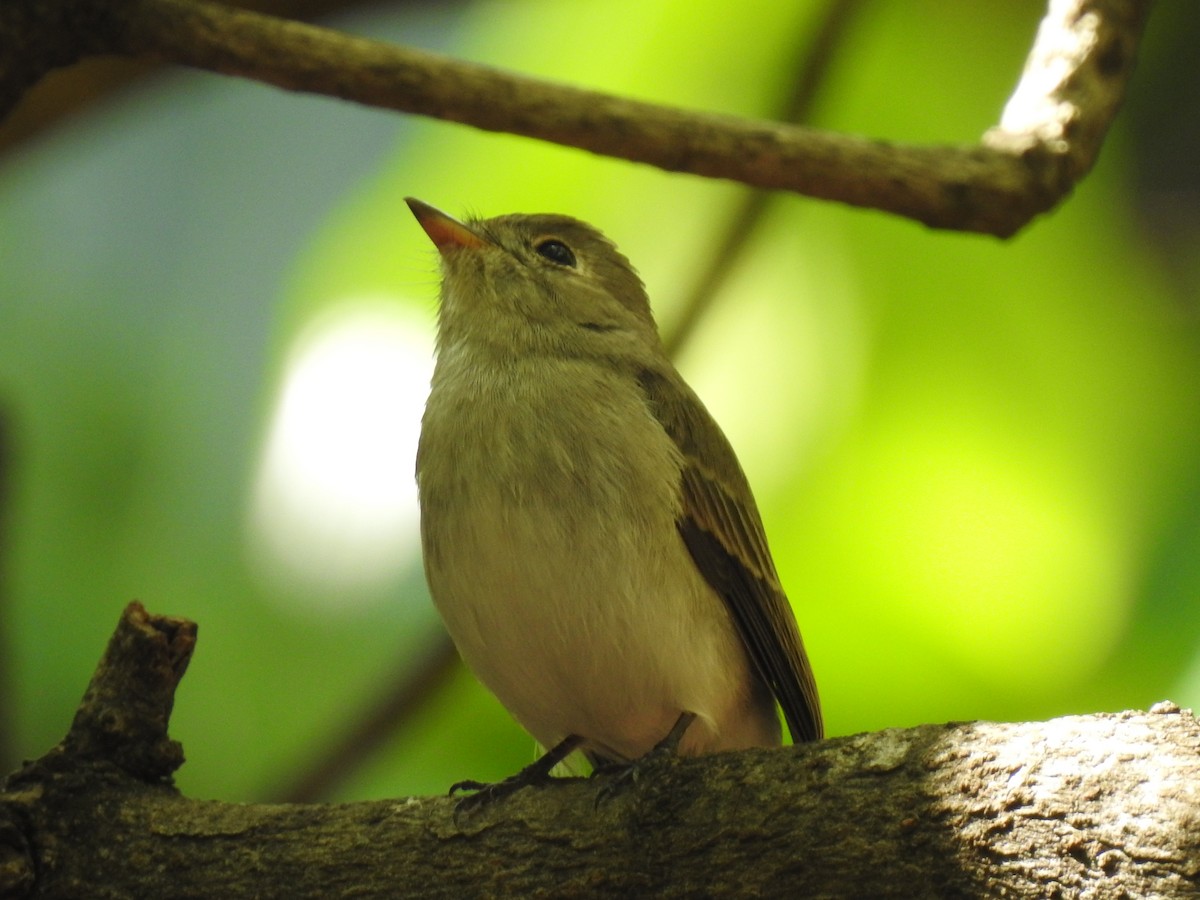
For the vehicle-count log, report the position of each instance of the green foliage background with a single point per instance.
(979, 462)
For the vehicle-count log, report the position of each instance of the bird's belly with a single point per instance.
(582, 628)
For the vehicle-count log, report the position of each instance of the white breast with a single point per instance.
(553, 557)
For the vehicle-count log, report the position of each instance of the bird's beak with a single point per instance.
(445, 231)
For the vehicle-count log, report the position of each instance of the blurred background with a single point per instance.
(978, 461)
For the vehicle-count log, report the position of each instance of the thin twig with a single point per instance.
(403, 694)
(812, 65)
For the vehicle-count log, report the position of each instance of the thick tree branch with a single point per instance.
(1050, 135)
(1095, 806)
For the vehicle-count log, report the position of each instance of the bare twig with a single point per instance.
(813, 63)
(123, 717)
(1074, 82)
(406, 692)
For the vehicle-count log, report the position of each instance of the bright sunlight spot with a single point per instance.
(1027, 110)
(334, 512)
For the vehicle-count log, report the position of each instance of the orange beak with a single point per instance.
(445, 231)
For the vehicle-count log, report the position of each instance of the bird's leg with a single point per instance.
(626, 774)
(670, 744)
(537, 772)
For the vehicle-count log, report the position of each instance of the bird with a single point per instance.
(589, 538)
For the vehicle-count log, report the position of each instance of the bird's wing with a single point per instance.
(722, 529)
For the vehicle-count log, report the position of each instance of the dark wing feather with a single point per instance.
(725, 537)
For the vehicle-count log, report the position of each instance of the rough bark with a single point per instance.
(1049, 137)
(1085, 806)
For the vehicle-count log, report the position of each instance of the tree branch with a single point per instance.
(68, 92)
(1096, 806)
(1049, 137)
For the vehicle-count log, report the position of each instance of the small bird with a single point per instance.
(588, 535)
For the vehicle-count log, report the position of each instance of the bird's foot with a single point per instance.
(622, 776)
(486, 793)
(536, 773)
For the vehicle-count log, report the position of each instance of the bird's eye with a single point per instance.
(557, 252)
